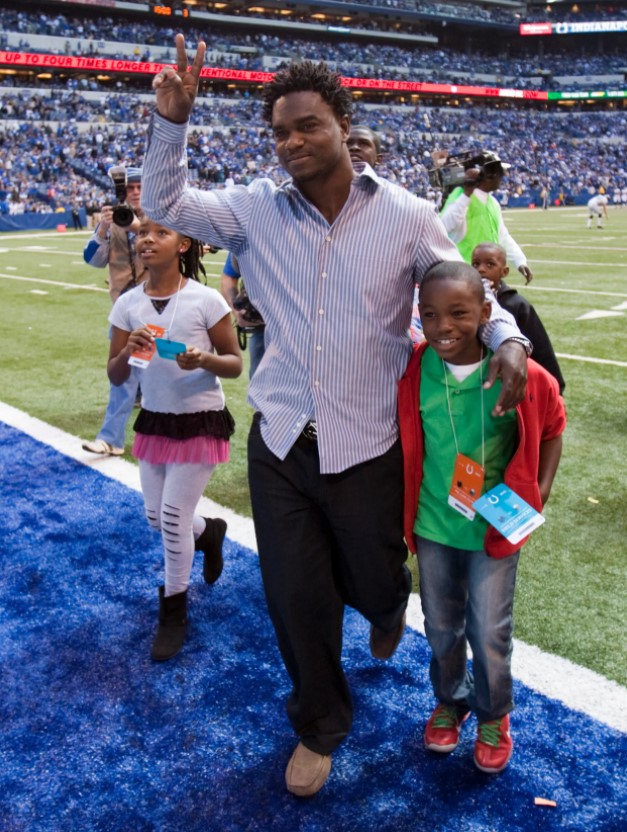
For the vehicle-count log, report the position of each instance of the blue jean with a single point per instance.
(119, 408)
(468, 598)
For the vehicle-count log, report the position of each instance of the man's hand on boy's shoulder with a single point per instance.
(509, 363)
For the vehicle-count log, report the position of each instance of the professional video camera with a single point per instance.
(242, 303)
(451, 169)
(123, 214)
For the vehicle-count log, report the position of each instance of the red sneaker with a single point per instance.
(494, 745)
(443, 727)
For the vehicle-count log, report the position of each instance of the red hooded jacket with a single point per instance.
(541, 416)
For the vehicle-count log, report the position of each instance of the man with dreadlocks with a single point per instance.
(325, 463)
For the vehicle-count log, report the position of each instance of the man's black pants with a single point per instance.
(326, 540)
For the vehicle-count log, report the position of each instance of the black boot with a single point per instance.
(172, 626)
(210, 542)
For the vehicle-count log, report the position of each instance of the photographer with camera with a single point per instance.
(471, 214)
(249, 323)
(113, 245)
(113, 242)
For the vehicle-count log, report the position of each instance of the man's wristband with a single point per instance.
(526, 343)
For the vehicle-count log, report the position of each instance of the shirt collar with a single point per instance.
(481, 194)
(433, 367)
(365, 175)
(365, 179)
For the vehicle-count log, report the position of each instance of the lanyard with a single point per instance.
(176, 305)
(448, 402)
(166, 331)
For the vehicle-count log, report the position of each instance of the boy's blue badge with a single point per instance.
(508, 513)
(169, 349)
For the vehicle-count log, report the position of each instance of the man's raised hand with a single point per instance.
(176, 88)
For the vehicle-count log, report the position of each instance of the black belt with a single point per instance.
(310, 431)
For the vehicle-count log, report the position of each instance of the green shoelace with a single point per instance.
(490, 732)
(446, 717)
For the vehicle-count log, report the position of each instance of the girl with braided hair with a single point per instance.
(180, 332)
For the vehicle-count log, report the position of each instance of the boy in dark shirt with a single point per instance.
(490, 260)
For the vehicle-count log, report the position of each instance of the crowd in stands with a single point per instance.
(66, 160)
(56, 148)
(430, 11)
(474, 11)
(271, 51)
(566, 13)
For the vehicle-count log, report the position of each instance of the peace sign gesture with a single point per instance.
(176, 88)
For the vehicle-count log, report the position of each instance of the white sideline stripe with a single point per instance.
(591, 360)
(577, 687)
(54, 283)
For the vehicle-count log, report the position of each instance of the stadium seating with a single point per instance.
(59, 137)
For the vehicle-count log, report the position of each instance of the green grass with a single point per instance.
(571, 588)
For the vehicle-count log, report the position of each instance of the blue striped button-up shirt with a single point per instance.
(336, 299)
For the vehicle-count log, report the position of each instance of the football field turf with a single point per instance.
(571, 586)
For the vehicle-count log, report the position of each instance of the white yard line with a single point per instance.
(29, 235)
(42, 250)
(572, 246)
(59, 283)
(577, 687)
(535, 260)
(588, 292)
(591, 360)
(210, 273)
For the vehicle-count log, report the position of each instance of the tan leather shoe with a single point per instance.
(307, 771)
(383, 644)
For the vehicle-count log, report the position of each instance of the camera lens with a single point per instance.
(123, 215)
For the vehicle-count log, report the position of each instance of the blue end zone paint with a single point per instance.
(97, 737)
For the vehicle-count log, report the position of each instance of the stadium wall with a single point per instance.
(40, 222)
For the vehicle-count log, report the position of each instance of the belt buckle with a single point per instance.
(310, 431)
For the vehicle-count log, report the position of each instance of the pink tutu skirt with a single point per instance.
(160, 450)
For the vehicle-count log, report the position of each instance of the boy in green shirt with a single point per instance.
(452, 437)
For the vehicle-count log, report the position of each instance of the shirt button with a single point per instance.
(324, 274)
(320, 311)
(317, 383)
(318, 348)
(327, 239)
